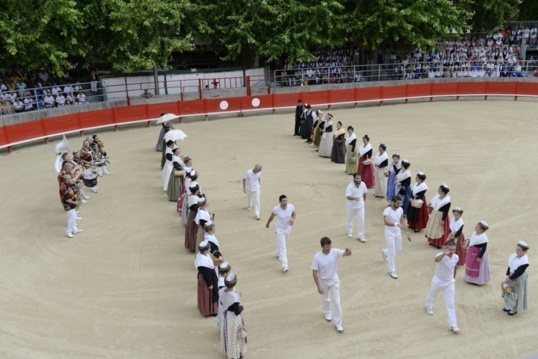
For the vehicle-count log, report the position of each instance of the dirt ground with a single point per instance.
(126, 287)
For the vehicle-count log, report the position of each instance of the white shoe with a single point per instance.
(277, 256)
(328, 318)
(284, 270)
(362, 240)
(455, 330)
(339, 329)
(106, 172)
(79, 218)
(393, 275)
(249, 208)
(258, 218)
(84, 201)
(70, 235)
(349, 235)
(78, 231)
(94, 190)
(384, 254)
(428, 311)
(85, 197)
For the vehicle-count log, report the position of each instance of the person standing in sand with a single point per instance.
(324, 270)
(285, 218)
(251, 186)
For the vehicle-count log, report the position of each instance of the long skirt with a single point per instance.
(185, 209)
(406, 197)
(165, 174)
(338, 154)
(302, 130)
(163, 157)
(230, 345)
(180, 201)
(174, 186)
(417, 218)
(200, 236)
(316, 136)
(476, 272)
(460, 249)
(326, 145)
(367, 172)
(205, 298)
(390, 186)
(351, 166)
(160, 142)
(517, 300)
(436, 233)
(191, 232)
(220, 313)
(380, 182)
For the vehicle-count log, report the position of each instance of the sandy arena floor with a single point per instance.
(126, 287)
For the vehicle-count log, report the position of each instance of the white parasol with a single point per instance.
(174, 135)
(167, 117)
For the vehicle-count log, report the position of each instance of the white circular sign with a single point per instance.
(223, 105)
(256, 102)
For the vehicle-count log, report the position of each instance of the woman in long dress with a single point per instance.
(202, 219)
(175, 182)
(417, 218)
(438, 225)
(394, 169)
(165, 127)
(338, 154)
(232, 345)
(381, 163)
(326, 144)
(182, 202)
(456, 233)
(208, 294)
(402, 185)
(351, 151)
(168, 166)
(318, 126)
(224, 270)
(191, 231)
(515, 299)
(476, 259)
(366, 169)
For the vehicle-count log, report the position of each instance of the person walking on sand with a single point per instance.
(444, 280)
(394, 222)
(251, 186)
(324, 270)
(355, 197)
(285, 218)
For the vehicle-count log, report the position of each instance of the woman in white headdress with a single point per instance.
(326, 143)
(207, 281)
(366, 167)
(232, 344)
(351, 151)
(224, 270)
(515, 284)
(402, 185)
(168, 166)
(317, 128)
(203, 218)
(175, 182)
(338, 154)
(417, 217)
(438, 225)
(394, 169)
(476, 259)
(191, 231)
(381, 163)
(456, 233)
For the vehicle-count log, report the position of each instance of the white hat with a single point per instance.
(224, 265)
(484, 224)
(203, 245)
(523, 244)
(445, 185)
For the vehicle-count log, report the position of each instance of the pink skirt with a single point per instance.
(191, 232)
(476, 272)
(205, 299)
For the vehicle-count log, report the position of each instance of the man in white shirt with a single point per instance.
(394, 221)
(251, 186)
(355, 197)
(444, 280)
(285, 217)
(324, 270)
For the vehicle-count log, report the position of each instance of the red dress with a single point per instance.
(419, 218)
(367, 172)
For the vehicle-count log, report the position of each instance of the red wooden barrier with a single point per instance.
(24, 131)
(61, 124)
(255, 103)
(3, 138)
(419, 90)
(470, 88)
(130, 113)
(341, 96)
(155, 109)
(190, 108)
(223, 105)
(365, 94)
(96, 118)
(287, 99)
(316, 97)
(445, 89)
(393, 92)
(527, 88)
(501, 88)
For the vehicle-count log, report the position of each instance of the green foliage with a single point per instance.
(489, 14)
(528, 11)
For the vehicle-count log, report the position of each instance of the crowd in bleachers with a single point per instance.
(28, 90)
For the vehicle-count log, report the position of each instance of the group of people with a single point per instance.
(216, 293)
(409, 209)
(80, 169)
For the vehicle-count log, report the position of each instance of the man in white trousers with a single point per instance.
(285, 217)
(324, 270)
(444, 280)
(394, 222)
(355, 197)
(251, 186)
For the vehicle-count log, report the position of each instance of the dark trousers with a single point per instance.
(297, 125)
(309, 131)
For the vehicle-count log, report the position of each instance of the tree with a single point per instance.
(528, 10)
(245, 30)
(489, 14)
(38, 33)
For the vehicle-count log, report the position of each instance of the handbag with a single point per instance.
(242, 332)
(417, 203)
(353, 158)
(340, 141)
(367, 162)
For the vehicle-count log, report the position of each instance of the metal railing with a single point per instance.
(401, 71)
(40, 98)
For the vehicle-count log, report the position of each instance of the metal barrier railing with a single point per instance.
(32, 99)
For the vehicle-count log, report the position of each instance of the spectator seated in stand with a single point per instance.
(146, 94)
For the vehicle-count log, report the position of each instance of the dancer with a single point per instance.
(338, 154)
(207, 281)
(381, 163)
(366, 167)
(417, 212)
(438, 225)
(324, 270)
(355, 196)
(233, 345)
(393, 219)
(351, 151)
(251, 186)
(476, 259)
(515, 284)
(285, 218)
(456, 233)
(444, 280)
(326, 144)
(224, 270)
(403, 185)
(394, 169)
